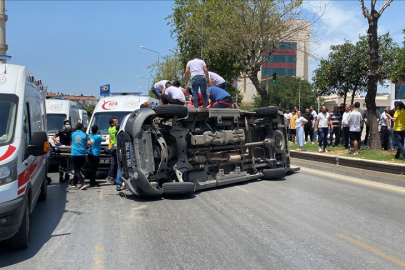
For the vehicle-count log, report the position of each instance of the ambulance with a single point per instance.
(59, 110)
(84, 118)
(24, 152)
(116, 105)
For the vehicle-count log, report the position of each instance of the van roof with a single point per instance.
(13, 79)
(58, 106)
(123, 103)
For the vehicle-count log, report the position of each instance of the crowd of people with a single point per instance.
(79, 142)
(208, 89)
(344, 125)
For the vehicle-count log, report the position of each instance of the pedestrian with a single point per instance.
(112, 131)
(158, 87)
(217, 80)
(309, 131)
(65, 138)
(118, 182)
(385, 128)
(315, 115)
(363, 116)
(378, 114)
(79, 143)
(94, 153)
(292, 125)
(355, 129)
(345, 127)
(299, 125)
(287, 118)
(392, 137)
(188, 92)
(335, 127)
(219, 97)
(399, 128)
(322, 125)
(173, 95)
(199, 78)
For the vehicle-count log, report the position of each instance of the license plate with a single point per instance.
(105, 160)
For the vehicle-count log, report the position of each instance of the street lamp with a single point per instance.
(175, 52)
(142, 47)
(144, 79)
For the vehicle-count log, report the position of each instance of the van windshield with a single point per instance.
(102, 119)
(8, 112)
(55, 122)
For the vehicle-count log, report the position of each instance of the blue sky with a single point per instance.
(76, 46)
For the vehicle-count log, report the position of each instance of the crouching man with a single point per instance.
(219, 97)
(173, 95)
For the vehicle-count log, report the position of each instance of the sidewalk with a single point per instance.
(377, 171)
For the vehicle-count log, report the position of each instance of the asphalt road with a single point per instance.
(310, 220)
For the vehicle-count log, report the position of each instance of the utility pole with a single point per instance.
(3, 20)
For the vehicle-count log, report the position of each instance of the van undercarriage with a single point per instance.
(175, 150)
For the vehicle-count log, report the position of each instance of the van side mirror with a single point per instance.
(39, 144)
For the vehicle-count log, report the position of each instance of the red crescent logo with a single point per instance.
(109, 105)
(8, 153)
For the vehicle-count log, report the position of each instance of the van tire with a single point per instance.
(278, 173)
(171, 110)
(173, 188)
(44, 191)
(267, 111)
(22, 238)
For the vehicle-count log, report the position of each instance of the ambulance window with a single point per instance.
(27, 129)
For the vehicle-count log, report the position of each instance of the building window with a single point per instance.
(279, 71)
(288, 46)
(282, 59)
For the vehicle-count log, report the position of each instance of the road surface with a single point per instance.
(310, 220)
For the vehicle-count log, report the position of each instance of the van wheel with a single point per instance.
(44, 191)
(22, 238)
(267, 111)
(178, 188)
(171, 110)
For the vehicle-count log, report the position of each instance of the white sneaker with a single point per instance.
(320, 150)
(326, 151)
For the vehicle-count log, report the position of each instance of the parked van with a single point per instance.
(84, 118)
(23, 152)
(59, 110)
(117, 105)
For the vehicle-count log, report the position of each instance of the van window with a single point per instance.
(102, 119)
(26, 130)
(8, 112)
(55, 122)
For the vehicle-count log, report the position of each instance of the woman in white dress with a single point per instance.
(299, 125)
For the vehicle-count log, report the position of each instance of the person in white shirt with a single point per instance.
(173, 95)
(385, 128)
(315, 115)
(217, 80)
(345, 126)
(299, 126)
(355, 119)
(158, 87)
(199, 79)
(322, 125)
(287, 118)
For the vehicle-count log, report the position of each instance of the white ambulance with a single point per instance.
(117, 105)
(23, 151)
(59, 110)
(84, 118)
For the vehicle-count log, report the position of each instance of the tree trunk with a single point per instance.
(372, 76)
(344, 100)
(252, 75)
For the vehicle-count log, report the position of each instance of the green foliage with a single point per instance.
(398, 71)
(347, 66)
(234, 35)
(169, 68)
(89, 109)
(285, 93)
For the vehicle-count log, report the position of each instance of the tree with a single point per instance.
(244, 38)
(89, 109)
(372, 17)
(286, 93)
(398, 70)
(346, 68)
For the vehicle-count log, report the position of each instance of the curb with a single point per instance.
(376, 171)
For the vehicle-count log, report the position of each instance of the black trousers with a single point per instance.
(336, 131)
(114, 164)
(94, 161)
(309, 131)
(385, 138)
(78, 162)
(166, 99)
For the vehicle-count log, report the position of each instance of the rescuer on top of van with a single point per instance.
(65, 138)
(173, 95)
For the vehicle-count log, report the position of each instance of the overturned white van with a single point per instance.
(23, 151)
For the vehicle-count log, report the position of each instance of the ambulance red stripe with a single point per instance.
(8, 153)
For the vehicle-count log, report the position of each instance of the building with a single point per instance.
(82, 99)
(397, 92)
(292, 58)
(382, 100)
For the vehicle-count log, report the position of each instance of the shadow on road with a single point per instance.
(45, 218)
